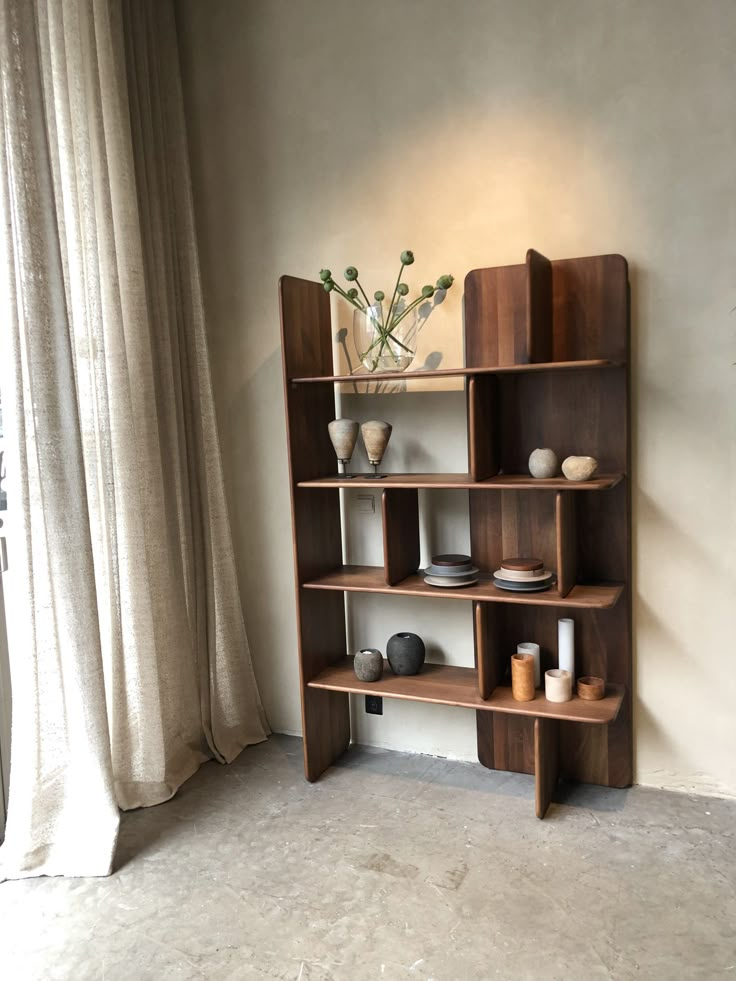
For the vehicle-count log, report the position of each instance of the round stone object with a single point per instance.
(405, 653)
(543, 462)
(579, 467)
(368, 664)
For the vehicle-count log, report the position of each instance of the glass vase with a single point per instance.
(380, 348)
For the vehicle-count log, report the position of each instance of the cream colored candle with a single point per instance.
(558, 685)
(566, 646)
(528, 648)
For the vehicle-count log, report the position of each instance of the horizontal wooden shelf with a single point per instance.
(502, 369)
(370, 579)
(463, 481)
(448, 685)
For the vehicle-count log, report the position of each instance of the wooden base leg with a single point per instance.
(326, 730)
(546, 762)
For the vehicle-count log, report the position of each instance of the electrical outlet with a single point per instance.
(374, 704)
(366, 504)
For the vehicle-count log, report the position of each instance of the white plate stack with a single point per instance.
(523, 575)
(451, 571)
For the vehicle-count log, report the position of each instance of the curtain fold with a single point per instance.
(123, 576)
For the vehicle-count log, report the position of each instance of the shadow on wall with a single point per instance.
(257, 478)
(672, 673)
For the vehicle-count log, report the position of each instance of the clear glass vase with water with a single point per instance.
(381, 347)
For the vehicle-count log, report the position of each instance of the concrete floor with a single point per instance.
(391, 866)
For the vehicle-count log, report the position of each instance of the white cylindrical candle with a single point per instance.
(528, 648)
(557, 685)
(566, 646)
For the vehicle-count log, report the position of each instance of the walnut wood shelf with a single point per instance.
(460, 372)
(464, 481)
(546, 364)
(371, 579)
(444, 684)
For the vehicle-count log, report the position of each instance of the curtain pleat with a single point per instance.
(107, 330)
(62, 780)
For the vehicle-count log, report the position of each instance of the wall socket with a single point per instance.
(365, 503)
(374, 704)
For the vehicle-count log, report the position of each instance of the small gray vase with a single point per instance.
(405, 653)
(368, 664)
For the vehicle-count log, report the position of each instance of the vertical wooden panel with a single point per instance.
(325, 715)
(566, 541)
(603, 543)
(400, 534)
(546, 762)
(576, 413)
(495, 304)
(538, 307)
(513, 742)
(307, 350)
(590, 308)
(483, 427)
(505, 742)
(528, 525)
(509, 523)
(486, 539)
(488, 659)
(317, 537)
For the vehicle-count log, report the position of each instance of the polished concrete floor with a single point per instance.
(389, 867)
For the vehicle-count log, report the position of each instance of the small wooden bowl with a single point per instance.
(591, 689)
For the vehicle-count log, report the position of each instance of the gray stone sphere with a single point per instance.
(544, 463)
(368, 664)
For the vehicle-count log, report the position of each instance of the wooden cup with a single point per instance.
(522, 677)
(591, 688)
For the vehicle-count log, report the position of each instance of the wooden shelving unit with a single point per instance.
(547, 347)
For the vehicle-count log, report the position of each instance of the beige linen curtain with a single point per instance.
(129, 659)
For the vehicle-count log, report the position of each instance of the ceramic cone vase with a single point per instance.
(376, 436)
(344, 436)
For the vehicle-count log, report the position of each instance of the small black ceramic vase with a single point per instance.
(368, 664)
(405, 653)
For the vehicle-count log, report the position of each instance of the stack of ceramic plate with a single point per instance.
(451, 571)
(522, 575)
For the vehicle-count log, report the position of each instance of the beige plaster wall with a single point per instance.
(335, 133)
